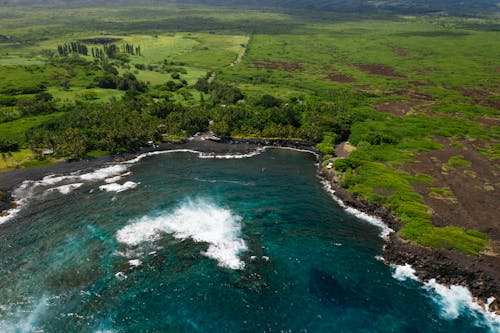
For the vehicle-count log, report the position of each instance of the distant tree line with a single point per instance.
(108, 50)
(130, 49)
(72, 47)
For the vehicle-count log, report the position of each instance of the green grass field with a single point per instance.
(400, 83)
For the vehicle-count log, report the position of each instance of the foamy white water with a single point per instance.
(11, 213)
(62, 184)
(66, 189)
(198, 220)
(112, 174)
(107, 172)
(21, 195)
(404, 272)
(257, 151)
(455, 300)
(115, 187)
(117, 178)
(385, 231)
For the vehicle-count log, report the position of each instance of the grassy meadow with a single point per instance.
(393, 86)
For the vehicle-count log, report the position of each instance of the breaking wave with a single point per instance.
(455, 300)
(404, 272)
(115, 187)
(109, 174)
(62, 184)
(198, 220)
(65, 189)
(385, 231)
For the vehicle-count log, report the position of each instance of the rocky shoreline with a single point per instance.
(480, 274)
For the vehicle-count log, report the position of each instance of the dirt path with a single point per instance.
(212, 77)
(243, 52)
(238, 60)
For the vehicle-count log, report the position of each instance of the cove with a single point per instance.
(178, 243)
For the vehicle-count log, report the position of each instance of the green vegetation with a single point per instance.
(87, 81)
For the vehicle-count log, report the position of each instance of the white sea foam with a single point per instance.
(111, 174)
(115, 187)
(159, 152)
(134, 262)
(117, 178)
(385, 231)
(11, 213)
(198, 220)
(455, 300)
(21, 196)
(65, 189)
(107, 172)
(257, 151)
(63, 184)
(404, 272)
(237, 182)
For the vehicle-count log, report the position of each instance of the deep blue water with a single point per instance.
(208, 245)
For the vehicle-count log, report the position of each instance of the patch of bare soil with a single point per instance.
(341, 78)
(344, 149)
(383, 191)
(481, 96)
(425, 70)
(277, 65)
(489, 122)
(417, 103)
(380, 70)
(410, 93)
(468, 195)
(400, 52)
(398, 108)
(422, 83)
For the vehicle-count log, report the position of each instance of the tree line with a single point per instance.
(110, 51)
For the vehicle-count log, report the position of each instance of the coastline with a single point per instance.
(10, 180)
(479, 274)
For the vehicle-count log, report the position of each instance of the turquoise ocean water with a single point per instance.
(178, 243)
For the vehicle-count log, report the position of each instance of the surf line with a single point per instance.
(24, 192)
(455, 297)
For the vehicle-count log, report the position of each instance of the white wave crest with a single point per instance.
(107, 172)
(135, 262)
(118, 187)
(199, 153)
(65, 189)
(404, 272)
(21, 195)
(63, 184)
(385, 231)
(114, 173)
(159, 152)
(11, 213)
(455, 300)
(117, 178)
(236, 182)
(199, 220)
(256, 152)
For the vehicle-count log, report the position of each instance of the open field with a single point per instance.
(408, 92)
